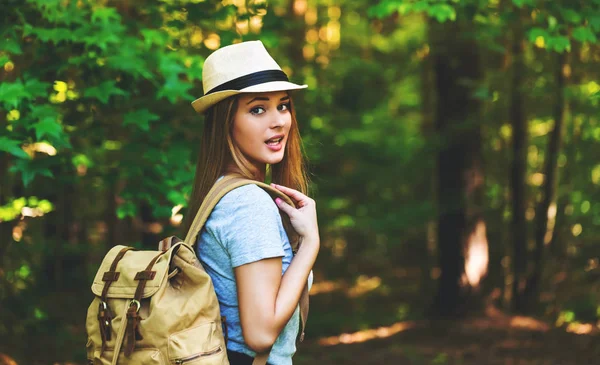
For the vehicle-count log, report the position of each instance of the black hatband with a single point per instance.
(255, 78)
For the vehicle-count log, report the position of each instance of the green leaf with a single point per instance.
(54, 35)
(535, 32)
(176, 197)
(36, 88)
(521, 3)
(104, 91)
(44, 111)
(47, 127)
(57, 11)
(559, 44)
(29, 169)
(422, 5)
(194, 72)
(48, 124)
(130, 59)
(154, 37)
(82, 159)
(225, 12)
(170, 65)
(10, 45)
(39, 314)
(127, 209)
(594, 22)
(13, 93)
(383, 9)
(442, 12)
(571, 16)
(174, 89)
(141, 118)
(583, 34)
(105, 16)
(13, 147)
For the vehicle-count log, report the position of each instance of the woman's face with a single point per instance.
(261, 126)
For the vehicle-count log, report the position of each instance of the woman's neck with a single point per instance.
(256, 173)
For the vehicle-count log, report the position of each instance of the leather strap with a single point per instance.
(133, 318)
(105, 315)
(167, 243)
(219, 189)
(304, 306)
(112, 274)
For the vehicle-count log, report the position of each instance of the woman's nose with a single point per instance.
(277, 120)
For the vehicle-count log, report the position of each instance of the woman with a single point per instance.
(250, 125)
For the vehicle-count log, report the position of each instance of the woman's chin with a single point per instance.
(272, 160)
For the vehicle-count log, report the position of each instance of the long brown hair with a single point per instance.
(217, 150)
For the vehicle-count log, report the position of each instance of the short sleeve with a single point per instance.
(251, 225)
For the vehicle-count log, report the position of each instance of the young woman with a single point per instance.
(250, 127)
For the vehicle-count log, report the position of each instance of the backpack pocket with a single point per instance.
(199, 345)
(140, 356)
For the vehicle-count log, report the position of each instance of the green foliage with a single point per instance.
(441, 11)
(555, 25)
(141, 118)
(14, 208)
(13, 147)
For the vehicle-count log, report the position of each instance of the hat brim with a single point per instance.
(201, 104)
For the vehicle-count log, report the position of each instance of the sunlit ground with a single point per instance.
(379, 321)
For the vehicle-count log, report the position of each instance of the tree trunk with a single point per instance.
(545, 216)
(518, 171)
(427, 91)
(150, 232)
(461, 230)
(111, 220)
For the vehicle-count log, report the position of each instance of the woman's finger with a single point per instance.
(295, 194)
(288, 209)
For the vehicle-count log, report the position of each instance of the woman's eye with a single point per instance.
(257, 110)
(283, 107)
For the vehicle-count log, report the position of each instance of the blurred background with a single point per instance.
(450, 143)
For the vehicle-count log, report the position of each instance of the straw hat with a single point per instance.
(239, 68)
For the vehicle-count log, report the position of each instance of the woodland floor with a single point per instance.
(495, 339)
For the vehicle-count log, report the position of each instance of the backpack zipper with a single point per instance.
(183, 360)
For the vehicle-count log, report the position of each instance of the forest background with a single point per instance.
(451, 148)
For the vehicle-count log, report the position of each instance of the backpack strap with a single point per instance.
(219, 189)
(129, 329)
(132, 332)
(120, 338)
(105, 315)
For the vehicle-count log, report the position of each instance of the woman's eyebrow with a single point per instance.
(258, 98)
(287, 97)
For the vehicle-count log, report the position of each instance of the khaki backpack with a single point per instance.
(160, 307)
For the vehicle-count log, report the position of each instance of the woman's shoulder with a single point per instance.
(247, 197)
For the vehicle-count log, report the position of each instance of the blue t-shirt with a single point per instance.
(244, 227)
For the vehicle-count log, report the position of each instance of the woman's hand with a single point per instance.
(303, 219)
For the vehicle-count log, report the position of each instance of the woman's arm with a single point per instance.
(267, 300)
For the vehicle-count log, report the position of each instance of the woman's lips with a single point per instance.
(275, 146)
(275, 143)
